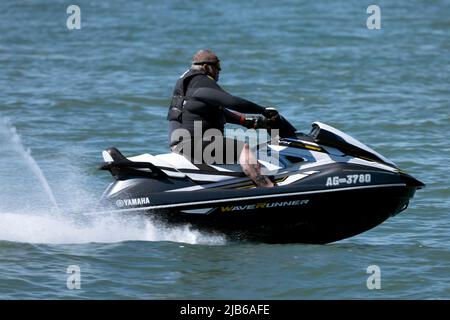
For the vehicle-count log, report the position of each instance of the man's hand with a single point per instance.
(249, 122)
(254, 122)
(271, 113)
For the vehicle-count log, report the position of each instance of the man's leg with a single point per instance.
(252, 168)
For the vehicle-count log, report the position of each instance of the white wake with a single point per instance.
(29, 211)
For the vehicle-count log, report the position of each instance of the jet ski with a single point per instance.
(329, 186)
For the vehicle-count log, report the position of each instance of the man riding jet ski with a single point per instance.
(199, 100)
(318, 187)
(329, 186)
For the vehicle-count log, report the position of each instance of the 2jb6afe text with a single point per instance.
(228, 310)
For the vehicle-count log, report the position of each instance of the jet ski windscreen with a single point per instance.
(330, 136)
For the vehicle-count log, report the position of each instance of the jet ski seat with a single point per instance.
(176, 165)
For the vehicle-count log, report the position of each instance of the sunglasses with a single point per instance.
(214, 64)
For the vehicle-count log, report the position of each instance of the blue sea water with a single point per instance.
(65, 95)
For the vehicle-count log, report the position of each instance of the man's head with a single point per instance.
(207, 61)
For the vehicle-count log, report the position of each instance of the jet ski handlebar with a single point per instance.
(272, 121)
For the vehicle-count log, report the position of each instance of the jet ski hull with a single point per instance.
(301, 213)
(329, 187)
(315, 218)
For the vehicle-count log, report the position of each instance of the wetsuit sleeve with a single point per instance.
(223, 99)
(233, 117)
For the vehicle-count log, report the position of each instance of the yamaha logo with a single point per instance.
(119, 203)
(132, 202)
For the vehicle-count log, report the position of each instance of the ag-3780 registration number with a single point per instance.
(348, 180)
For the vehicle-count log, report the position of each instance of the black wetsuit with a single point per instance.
(201, 99)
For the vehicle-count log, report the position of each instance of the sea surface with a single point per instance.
(66, 95)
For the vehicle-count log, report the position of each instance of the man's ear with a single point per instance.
(206, 68)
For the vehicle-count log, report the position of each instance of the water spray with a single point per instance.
(11, 132)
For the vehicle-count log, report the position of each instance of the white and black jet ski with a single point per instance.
(329, 186)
